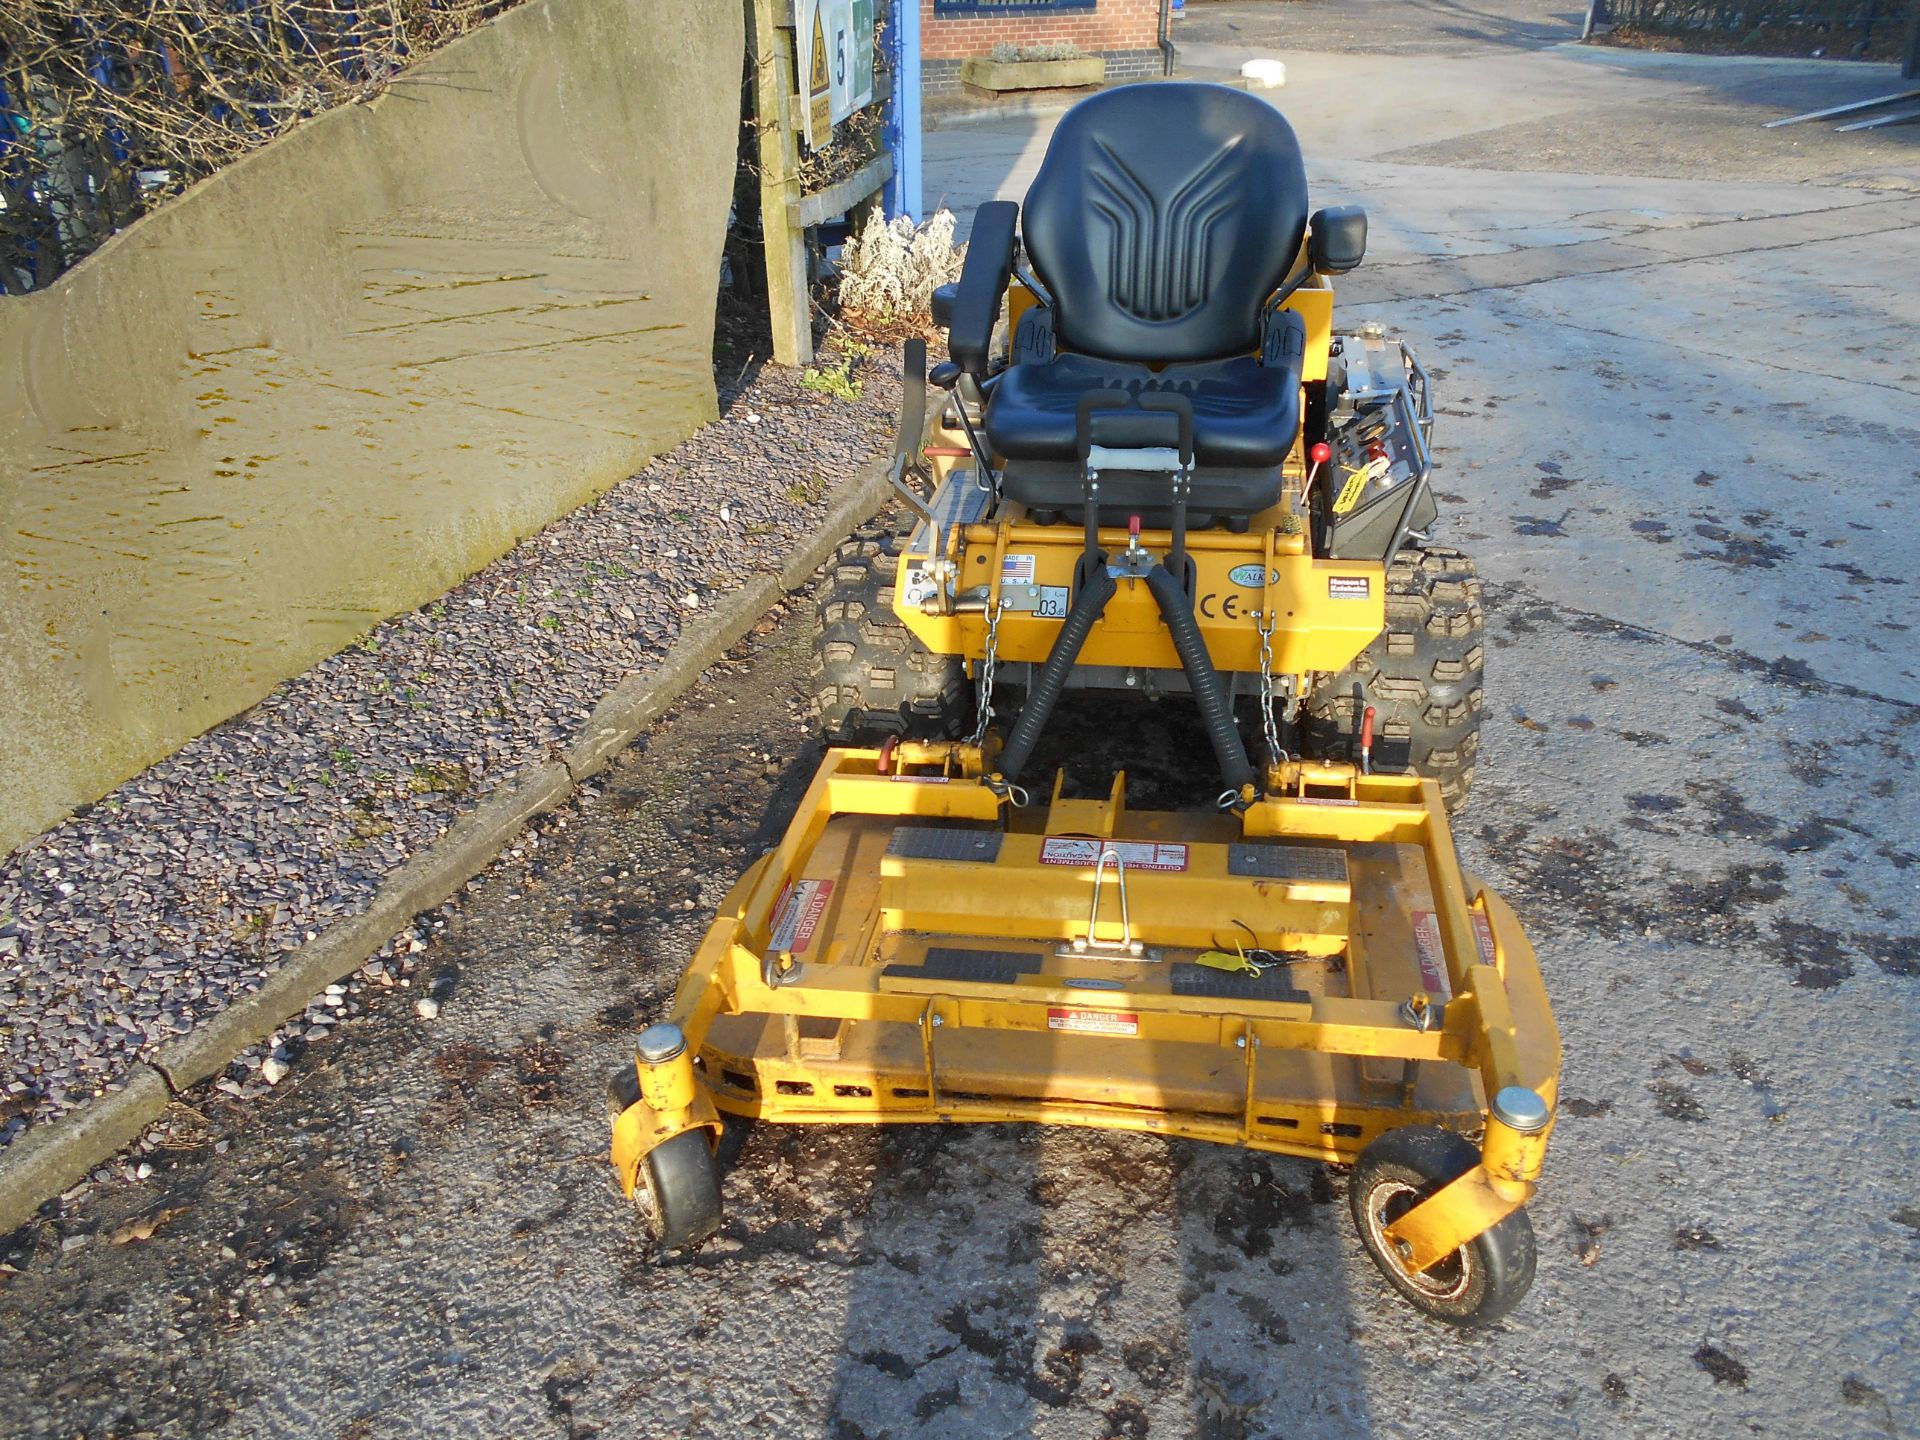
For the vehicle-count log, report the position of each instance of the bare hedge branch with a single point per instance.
(1862, 28)
(108, 107)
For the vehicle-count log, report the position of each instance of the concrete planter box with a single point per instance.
(1001, 75)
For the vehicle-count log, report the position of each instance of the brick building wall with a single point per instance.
(1125, 33)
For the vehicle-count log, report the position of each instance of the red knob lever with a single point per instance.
(1321, 453)
(1133, 526)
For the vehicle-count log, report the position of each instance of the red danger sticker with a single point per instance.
(1094, 1022)
(1134, 854)
(798, 915)
(1433, 960)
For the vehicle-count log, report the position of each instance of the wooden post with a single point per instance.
(786, 246)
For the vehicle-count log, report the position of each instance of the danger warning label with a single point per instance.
(1094, 1022)
(1433, 960)
(798, 914)
(1134, 854)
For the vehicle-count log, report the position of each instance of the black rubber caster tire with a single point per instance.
(623, 1089)
(678, 1193)
(872, 678)
(1481, 1281)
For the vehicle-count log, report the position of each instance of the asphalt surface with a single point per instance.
(1683, 454)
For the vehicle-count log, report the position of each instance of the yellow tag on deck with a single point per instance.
(1220, 960)
(1350, 492)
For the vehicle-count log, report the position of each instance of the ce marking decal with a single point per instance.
(1223, 607)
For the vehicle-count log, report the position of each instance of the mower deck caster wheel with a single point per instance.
(678, 1194)
(1475, 1285)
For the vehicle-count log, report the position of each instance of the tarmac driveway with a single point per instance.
(1678, 428)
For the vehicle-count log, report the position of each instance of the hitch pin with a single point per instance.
(1126, 946)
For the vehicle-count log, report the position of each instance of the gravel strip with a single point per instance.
(146, 913)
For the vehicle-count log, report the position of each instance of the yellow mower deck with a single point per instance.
(916, 949)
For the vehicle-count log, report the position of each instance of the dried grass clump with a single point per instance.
(888, 271)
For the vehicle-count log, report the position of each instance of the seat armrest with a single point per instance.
(940, 306)
(1337, 239)
(983, 283)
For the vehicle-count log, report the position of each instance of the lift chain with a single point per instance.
(1267, 622)
(988, 665)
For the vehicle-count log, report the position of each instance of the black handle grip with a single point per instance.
(1177, 405)
(1083, 415)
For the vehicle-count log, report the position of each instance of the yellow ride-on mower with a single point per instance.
(1175, 478)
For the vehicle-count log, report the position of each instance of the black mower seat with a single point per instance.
(1162, 218)
(1245, 414)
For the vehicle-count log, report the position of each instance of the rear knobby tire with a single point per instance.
(1422, 675)
(677, 1193)
(1475, 1285)
(872, 678)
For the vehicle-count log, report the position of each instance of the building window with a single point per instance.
(953, 9)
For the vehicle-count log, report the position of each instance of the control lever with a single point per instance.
(1320, 455)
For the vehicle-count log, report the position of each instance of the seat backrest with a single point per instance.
(1161, 218)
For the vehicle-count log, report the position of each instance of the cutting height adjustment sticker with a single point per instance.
(1134, 854)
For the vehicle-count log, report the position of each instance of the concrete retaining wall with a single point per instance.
(356, 366)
